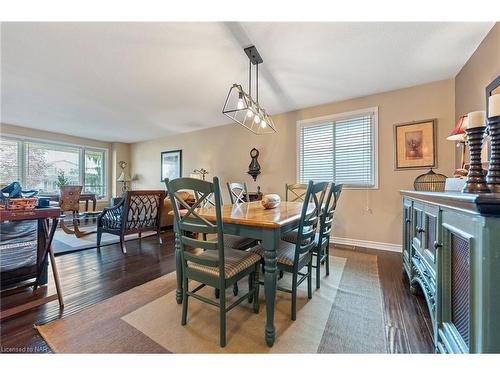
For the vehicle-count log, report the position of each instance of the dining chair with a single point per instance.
(322, 250)
(295, 192)
(293, 257)
(217, 266)
(230, 240)
(69, 199)
(238, 192)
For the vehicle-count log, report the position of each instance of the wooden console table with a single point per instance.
(451, 253)
(47, 223)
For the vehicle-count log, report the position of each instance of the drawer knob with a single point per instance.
(437, 245)
(420, 229)
(408, 220)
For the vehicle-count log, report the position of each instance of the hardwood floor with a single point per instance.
(91, 276)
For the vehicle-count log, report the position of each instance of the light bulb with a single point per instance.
(263, 124)
(257, 119)
(240, 104)
(249, 113)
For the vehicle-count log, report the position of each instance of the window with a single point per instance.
(94, 172)
(44, 166)
(9, 161)
(340, 148)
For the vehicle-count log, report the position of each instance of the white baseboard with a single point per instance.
(368, 244)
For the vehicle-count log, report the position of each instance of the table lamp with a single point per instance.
(123, 178)
(458, 135)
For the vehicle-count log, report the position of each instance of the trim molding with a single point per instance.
(368, 244)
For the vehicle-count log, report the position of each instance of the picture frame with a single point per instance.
(415, 145)
(171, 164)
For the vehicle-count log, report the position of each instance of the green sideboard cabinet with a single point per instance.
(451, 252)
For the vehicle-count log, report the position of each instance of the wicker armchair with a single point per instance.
(139, 211)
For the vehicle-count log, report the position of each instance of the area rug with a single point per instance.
(66, 243)
(344, 316)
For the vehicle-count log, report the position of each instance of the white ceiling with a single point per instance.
(135, 81)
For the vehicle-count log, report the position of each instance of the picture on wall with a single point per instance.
(415, 145)
(171, 164)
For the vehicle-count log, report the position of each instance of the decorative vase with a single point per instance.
(493, 177)
(476, 182)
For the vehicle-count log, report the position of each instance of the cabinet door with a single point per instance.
(417, 225)
(407, 235)
(431, 236)
(454, 259)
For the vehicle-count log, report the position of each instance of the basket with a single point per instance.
(19, 204)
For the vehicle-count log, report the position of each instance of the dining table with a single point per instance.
(252, 220)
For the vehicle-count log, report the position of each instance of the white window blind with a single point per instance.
(339, 148)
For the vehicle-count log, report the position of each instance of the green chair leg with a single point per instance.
(294, 296)
(318, 269)
(222, 312)
(251, 285)
(309, 279)
(327, 260)
(184, 302)
(217, 292)
(235, 289)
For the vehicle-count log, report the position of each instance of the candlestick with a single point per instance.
(476, 119)
(494, 105)
(493, 177)
(476, 183)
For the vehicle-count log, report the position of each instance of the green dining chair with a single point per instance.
(217, 266)
(322, 250)
(238, 192)
(295, 192)
(294, 257)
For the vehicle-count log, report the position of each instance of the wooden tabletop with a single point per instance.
(37, 213)
(254, 215)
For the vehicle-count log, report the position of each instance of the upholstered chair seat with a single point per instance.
(285, 253)
(235, 261)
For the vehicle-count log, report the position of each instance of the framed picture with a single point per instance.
(415, 145)
(171, 164)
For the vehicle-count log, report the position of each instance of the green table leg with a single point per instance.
(178, 268)
(270, 242)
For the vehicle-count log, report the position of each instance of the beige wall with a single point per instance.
(481, 68)
(20, 131)
(373, 215)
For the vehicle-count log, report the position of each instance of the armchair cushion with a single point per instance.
(166, 219)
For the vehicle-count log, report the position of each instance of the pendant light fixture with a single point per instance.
(242, 108)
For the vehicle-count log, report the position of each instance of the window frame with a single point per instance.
(81, 159)
(316, 121)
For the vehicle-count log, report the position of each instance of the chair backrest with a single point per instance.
(308, 223)
(191, 221)
(237, 192)
(326, 218)
(142, 210)
(295, 192)
(69, 200)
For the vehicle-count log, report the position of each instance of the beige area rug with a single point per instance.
(344, 316)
